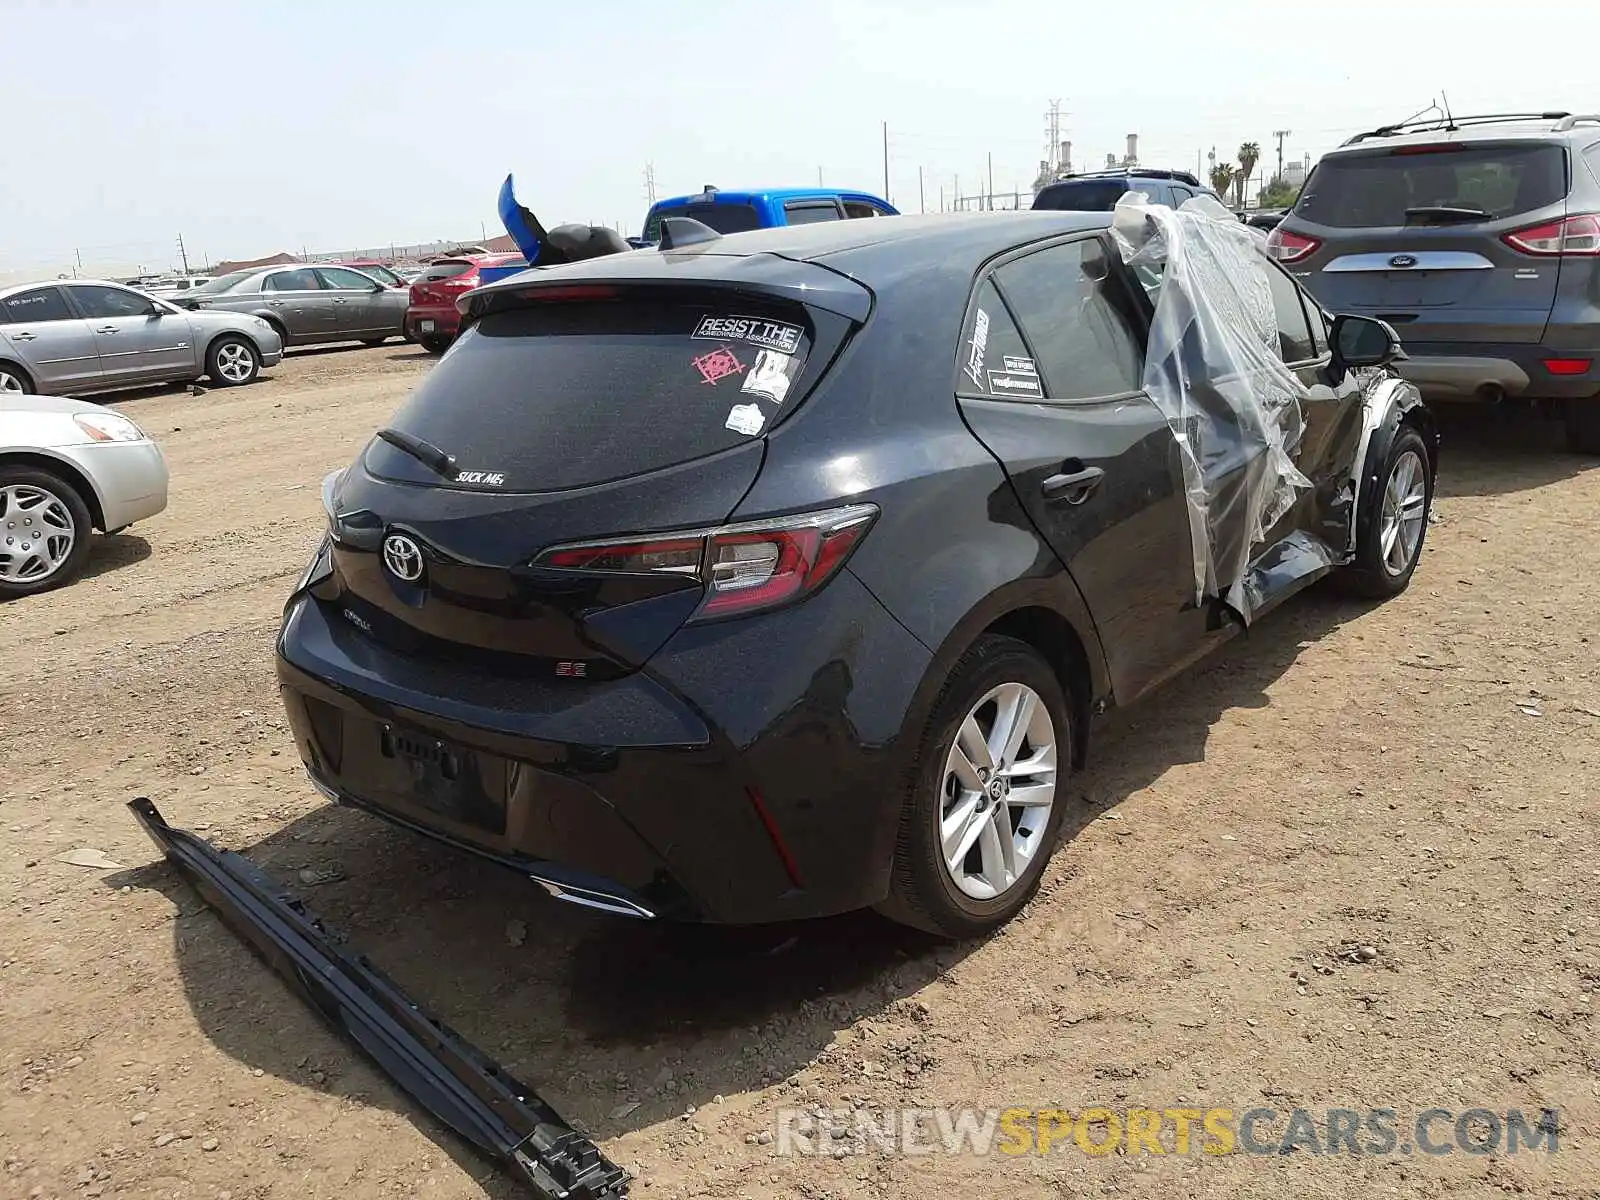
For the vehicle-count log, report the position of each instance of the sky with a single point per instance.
(251, 128)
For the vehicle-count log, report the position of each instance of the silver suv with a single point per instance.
(1478, 239)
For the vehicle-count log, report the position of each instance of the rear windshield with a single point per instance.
(446, 270)
(1084, 195)
(222, 282)
(724, 218)
(564, 395)
(1390, 188)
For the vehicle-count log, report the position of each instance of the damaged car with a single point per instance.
(782, 573)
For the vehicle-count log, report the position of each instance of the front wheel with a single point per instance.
(1389, 542)
(44, 532)
(985, 803)
(233, 361)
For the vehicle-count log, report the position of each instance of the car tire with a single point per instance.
(987, 885)
(1582, 418)
(233, 361)
(14, 381)
(31, 499)
(434, 345)
(1392, 528)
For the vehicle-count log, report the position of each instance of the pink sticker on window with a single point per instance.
(718, 364)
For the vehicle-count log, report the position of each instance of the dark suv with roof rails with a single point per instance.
(1478, 240)
(1099, 191)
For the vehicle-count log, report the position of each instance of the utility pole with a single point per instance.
(922, 202)
(1280, 134)
(955, 199)
(78, 254)
(819, 176)
(650, 182)
(183, 254)
(886, 162)
(991, 181)
(941, 197)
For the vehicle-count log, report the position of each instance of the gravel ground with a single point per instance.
(1349, 862)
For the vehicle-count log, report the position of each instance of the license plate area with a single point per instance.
(425, 326)
(459, 785)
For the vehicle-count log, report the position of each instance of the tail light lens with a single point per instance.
(746, 568)
(1576, 236)
(1289, 247)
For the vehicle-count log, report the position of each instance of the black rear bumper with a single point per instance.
(1479, 371)
(425, 1058)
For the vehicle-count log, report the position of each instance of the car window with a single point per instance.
(724, 218)
(1386, 189)
(304, 280)
(1294, 334)
(442, 270)
(1075, 316)
(1082, 195)
(343, 277)
(1592, 157)
(992, 359)
(95, 301)
(860, 208)
(1180, 195)
(222, 283)
(571, 394)
(37, 304)
(807, 214)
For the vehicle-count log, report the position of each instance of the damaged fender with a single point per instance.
(429, 1061)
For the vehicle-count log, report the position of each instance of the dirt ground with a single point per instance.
(1422, 778)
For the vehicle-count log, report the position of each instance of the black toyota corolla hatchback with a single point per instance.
(780, 574)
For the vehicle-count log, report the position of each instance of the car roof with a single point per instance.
(962, 240)
(1549, 126)
(39, 283)
(749, 195)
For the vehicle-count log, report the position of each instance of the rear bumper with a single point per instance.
(1473, 371)
(751, 773)
(442, 321)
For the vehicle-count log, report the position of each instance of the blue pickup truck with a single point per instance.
(723, 211)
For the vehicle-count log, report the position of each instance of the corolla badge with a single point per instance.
(1403, 260)
(403, 557)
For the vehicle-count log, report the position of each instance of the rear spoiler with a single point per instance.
(429, 1061)
(563, 244)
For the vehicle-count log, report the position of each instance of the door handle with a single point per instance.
(275, 303)
(1072, 486)
(23, 337)
(107, 329)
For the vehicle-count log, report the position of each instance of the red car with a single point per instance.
(432, 319)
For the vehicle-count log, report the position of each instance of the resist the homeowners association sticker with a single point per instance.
(758, 331)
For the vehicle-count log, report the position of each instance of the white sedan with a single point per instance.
(68, 467)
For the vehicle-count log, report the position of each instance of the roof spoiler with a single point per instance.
(543, 247)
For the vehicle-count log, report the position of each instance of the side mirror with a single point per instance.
(1363, 341)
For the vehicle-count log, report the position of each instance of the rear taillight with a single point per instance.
(745, 568)
(1568, 366)
(1577, 236)
(1289, 247)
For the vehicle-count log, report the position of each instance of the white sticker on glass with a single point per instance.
(980, 345)
(770, 376)
(746, 418)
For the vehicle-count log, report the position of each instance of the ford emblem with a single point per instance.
(1403, 260)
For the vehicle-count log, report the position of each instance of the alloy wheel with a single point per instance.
(999, 788)
(10, 384)
(1405, 509)
(36, 533)
(235, 362)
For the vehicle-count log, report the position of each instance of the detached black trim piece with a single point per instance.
(429, 1061)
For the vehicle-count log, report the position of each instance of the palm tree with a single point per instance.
(1249, 156)
(1221, 178)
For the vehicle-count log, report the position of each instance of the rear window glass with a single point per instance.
(1088, 195)
(559, 395)
(437, 271)
(1388, 189)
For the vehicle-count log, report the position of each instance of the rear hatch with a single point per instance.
(628, 411)
(443, 282)
(1092, 195)
(1416, 234)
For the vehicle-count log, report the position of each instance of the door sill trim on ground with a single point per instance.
(429, 1061)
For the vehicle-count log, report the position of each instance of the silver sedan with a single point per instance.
(308, 305)
(84, 335)
(68, 467)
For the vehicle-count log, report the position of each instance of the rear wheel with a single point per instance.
(14, 381)
(984, 808)
(434, 344)
(1583, 425)
(1390, 542)
(233, 361)
(44, 531)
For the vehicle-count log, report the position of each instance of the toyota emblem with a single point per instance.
(403, 557)
(1403, 260)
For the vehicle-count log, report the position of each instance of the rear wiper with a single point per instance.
(425, 452)
(1444, 214)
